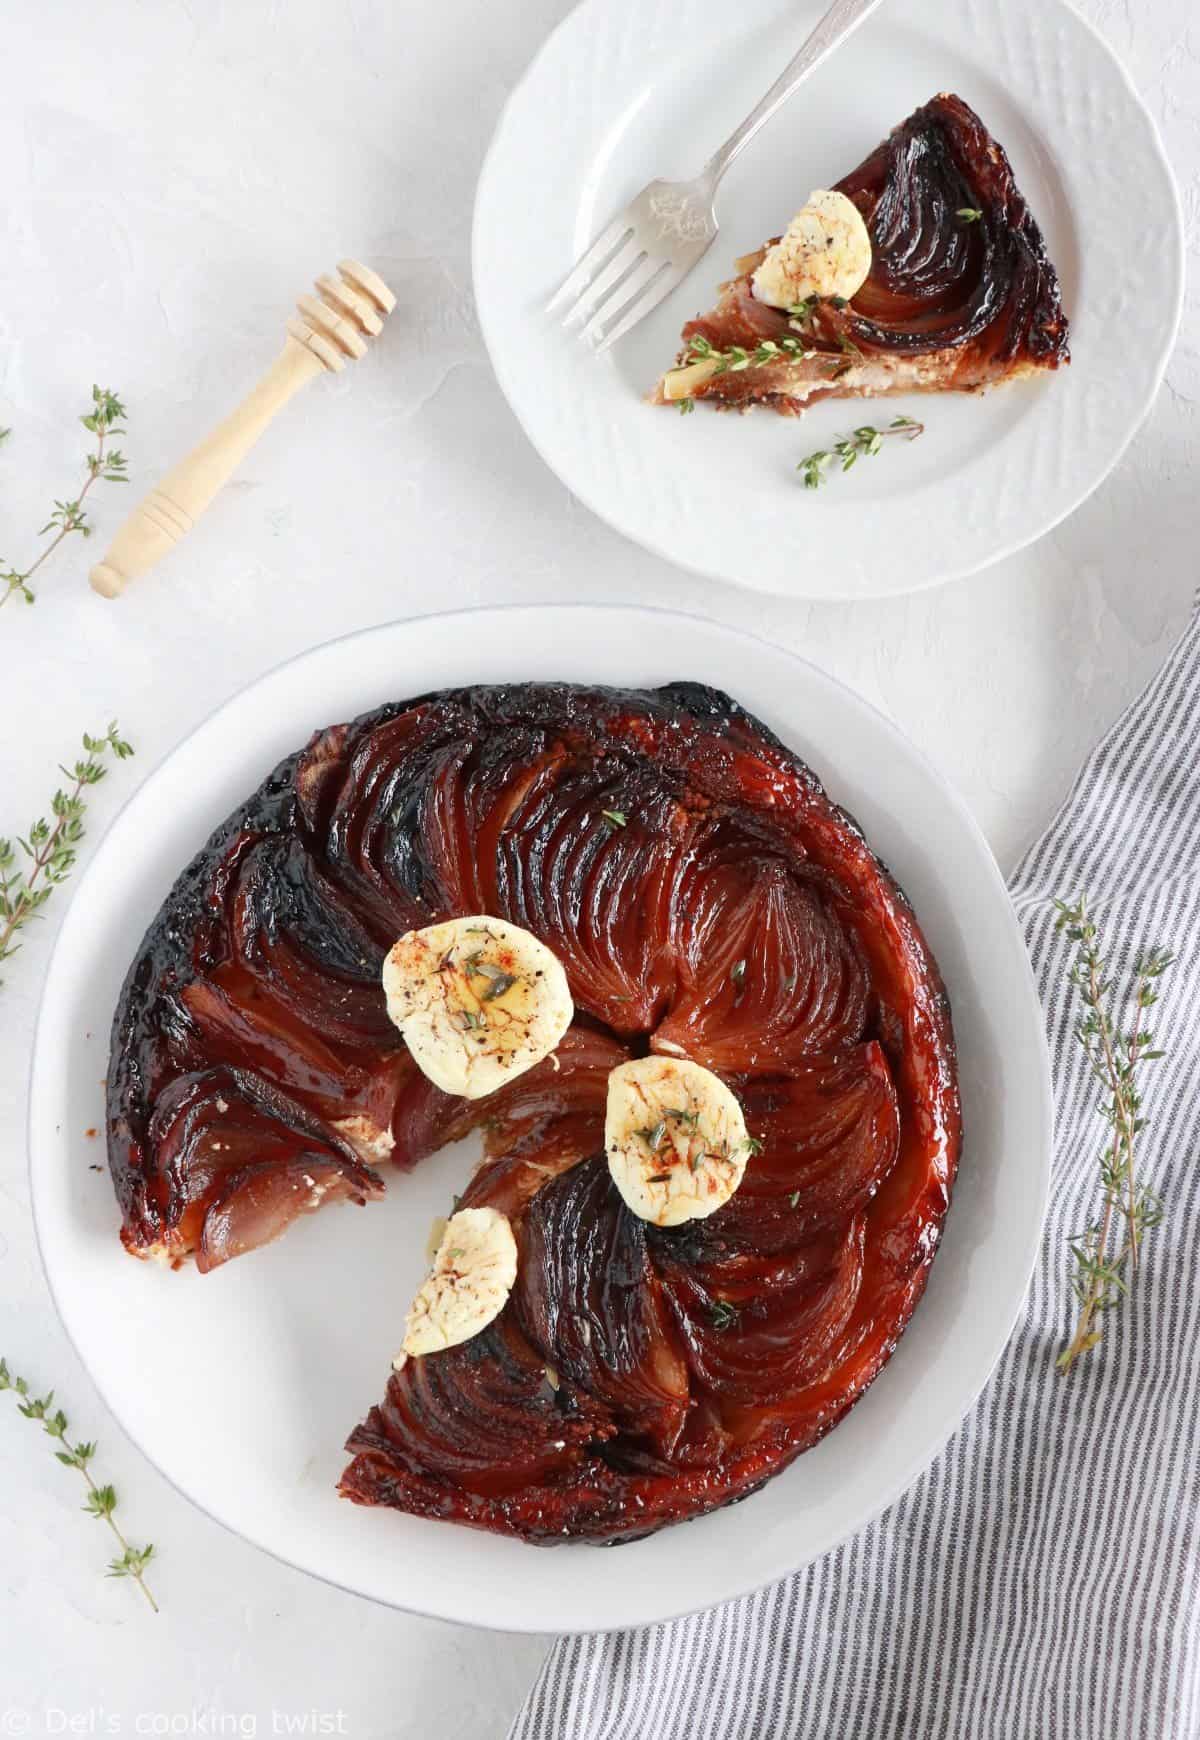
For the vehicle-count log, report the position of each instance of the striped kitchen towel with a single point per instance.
(1042, 1579)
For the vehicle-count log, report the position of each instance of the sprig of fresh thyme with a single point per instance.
(52, 842)
(737, 357)
(769, 350)
(865, 440)
(1108, 1250)
(105, 465)
(101, 1500)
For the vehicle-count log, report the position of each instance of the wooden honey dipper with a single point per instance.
(327, 331)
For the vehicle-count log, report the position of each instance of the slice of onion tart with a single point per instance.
(924, 270)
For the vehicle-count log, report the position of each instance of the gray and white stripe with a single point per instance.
(1043, 1577)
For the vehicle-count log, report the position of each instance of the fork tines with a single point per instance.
(620, 278)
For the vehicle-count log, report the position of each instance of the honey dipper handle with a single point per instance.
(172, 508)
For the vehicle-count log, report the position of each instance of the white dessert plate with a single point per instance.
(241, 1385)
(626, 90)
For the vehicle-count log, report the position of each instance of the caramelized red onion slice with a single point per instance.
(940, 279)
(297, 936)
(255, 1204)
(237, 1160)
(482, 1415)
(767, 973)
(237, 1023)
(572, 1079)
(829, 1135)
(522, 1153)
(756, 1339)
(369, 822)
(589, 863)
(588, 1298)
(471, 803)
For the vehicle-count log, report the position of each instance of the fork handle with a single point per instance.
(843, 17)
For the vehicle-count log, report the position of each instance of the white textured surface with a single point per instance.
(173, 176)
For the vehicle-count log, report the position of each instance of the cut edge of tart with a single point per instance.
(960, 293)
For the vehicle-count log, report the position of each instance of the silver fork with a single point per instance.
(654, 243)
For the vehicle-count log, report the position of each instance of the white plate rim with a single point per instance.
(541, 1620)
(577, 481)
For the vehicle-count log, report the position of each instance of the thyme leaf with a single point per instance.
(498, 981)
(737, 357)
(1105, 1256)
(51, 844)
(866, 440)
(105, 465)
(498, 984)
(101, 1501)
